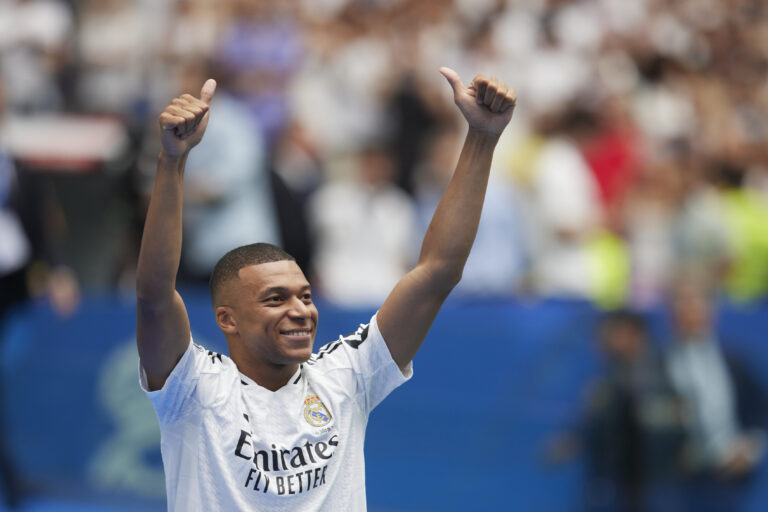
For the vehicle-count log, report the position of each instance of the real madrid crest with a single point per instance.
(315, 412)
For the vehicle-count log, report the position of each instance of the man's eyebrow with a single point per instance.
(283, 290)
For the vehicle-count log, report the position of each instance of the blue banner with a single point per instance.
(494, 382)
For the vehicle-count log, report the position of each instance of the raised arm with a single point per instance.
(162, 331)
(406, 316)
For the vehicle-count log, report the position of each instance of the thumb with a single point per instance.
(208, 90)
(453, 78)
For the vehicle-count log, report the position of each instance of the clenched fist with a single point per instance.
(487, 103)
(183, 121)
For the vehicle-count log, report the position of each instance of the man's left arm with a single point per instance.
(406, 316)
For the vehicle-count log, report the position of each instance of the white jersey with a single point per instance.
(230, 445)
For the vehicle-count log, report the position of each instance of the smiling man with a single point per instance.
(274, 427)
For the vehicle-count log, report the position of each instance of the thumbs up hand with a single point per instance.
(487, 103)
(184, 120)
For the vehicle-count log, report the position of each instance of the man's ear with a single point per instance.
(226, 319)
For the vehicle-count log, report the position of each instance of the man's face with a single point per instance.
(623, 342)
(693, 316)
(274, 314)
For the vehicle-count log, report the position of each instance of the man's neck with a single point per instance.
(271, 377)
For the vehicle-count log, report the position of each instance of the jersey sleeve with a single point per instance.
(366, 355)
(200, 379)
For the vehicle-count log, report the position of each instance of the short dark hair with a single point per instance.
(231, 263)
(624, 317)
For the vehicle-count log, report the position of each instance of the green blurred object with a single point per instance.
(609, 267)
(746, 214)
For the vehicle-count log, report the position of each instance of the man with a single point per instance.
(725, 427)
(633, 429)
(275, 427)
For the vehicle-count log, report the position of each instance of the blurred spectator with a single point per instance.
(634, 423)
(338, 92)
(630, 105)
(297, 161)
(650, 212)
(610, 144)
(228, 195)
(260, 48)
(498, 263)
(72, 196)
(15, 248)
(23, 274)
(188, 30)
(745, 213)
(364, 231)
(701, 231)
(662, 106)
(115, 40)
(411, 121)
(201, 18)
(296, 172)
(557, 70)
(726, 408)
(567, 213)
(15, 254)
(35, 40)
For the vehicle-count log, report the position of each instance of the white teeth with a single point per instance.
(297, 333)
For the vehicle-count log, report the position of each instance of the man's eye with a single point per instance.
(307, 296)
(275, 298)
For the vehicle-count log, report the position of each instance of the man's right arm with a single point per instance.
(162, 331)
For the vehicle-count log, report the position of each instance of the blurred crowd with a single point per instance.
(677, 424)
(637, 150)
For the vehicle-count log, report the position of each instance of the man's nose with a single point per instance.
(299, 309)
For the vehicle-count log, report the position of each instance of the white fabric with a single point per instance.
(365, 239)
(30, 32)
(114, 42)
(700, 374)
(14, 249)
(14, 245)
(566, 192)
(222, 434)
(565, 200)
(335, 93)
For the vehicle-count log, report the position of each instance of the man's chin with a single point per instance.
(296, 350)
(298, 356)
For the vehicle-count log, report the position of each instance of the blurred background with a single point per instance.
(605, 350)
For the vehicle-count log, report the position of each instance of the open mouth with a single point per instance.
(297, 338)
(297, 332)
